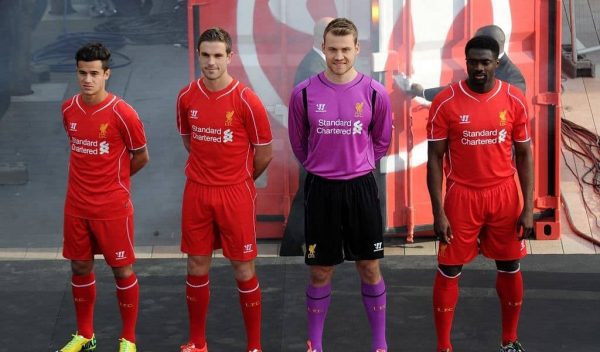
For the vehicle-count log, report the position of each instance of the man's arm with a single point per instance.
(417, 90)
(381, 133)
(263, 154)
(298, 127)
(185, 138)
(524, 164)
(435, 174)
(139, 159)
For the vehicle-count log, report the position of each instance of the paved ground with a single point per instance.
(560, 311)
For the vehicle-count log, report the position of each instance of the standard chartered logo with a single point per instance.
(502, 136)
(339, 127)
(227, 136)
(104, 147)
(357, 127)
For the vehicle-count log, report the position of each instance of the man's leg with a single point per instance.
(509, 285)
(445, 297)
(197, 294)
(374, 300)
(318, 298)
(83, 287)
(128, 296)
(250, 301)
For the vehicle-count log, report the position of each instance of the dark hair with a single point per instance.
(93, 52)
(341, 27)
(215, 34)
(483, 42)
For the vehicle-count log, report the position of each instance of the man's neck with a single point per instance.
(95, 98)
(482, 89)
(216, 85)
(341, 79)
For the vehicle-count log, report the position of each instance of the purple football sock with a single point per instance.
(317, 304)
(374, 299)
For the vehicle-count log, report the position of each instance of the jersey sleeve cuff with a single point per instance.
(138, 148)
(259, 144)
(436, 139)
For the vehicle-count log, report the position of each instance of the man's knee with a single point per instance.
(369, 271)
(320, 275)
(82, 267)
(122, 272)
(450, 270)
(198, 265)
(243, 271)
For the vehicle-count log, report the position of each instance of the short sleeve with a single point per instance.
(256, 119)
(437, 122)
(183, 125)
(520, 131)
(131, 127)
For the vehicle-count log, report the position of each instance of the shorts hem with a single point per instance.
(505, 259)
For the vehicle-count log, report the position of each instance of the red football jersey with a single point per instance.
(101, 137)
(480, 129)
(223, 127)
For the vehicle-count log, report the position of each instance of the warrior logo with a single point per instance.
(103, 128)
(229, 118)
(311, 250)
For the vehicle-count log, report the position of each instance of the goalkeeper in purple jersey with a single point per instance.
(340, 125)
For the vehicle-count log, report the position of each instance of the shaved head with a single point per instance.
(495, 32)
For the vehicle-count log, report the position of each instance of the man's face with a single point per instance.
(481, 66)
(340, 53)
(92, 77)
(213, 59)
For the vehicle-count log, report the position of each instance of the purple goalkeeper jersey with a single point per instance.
(341, 135)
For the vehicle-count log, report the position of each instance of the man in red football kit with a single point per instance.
(474, 124)
(226, 131)
(108, 146)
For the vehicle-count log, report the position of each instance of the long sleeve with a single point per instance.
(298, 127)
(381, 132)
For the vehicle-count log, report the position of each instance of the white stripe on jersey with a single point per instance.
(178, 102)
(437, 110)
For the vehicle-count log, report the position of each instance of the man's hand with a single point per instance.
(416, 90)
(525, 224)
(441, 228)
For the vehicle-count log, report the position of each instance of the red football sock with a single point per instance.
(197, 294)
(84, 297)
(128, 295)
(250, 301)
(510, 291)
(445, 297)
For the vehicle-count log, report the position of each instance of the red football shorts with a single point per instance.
(482, 219)
(82, 238)
(219, 216)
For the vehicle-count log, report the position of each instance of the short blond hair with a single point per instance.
(341, 27)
